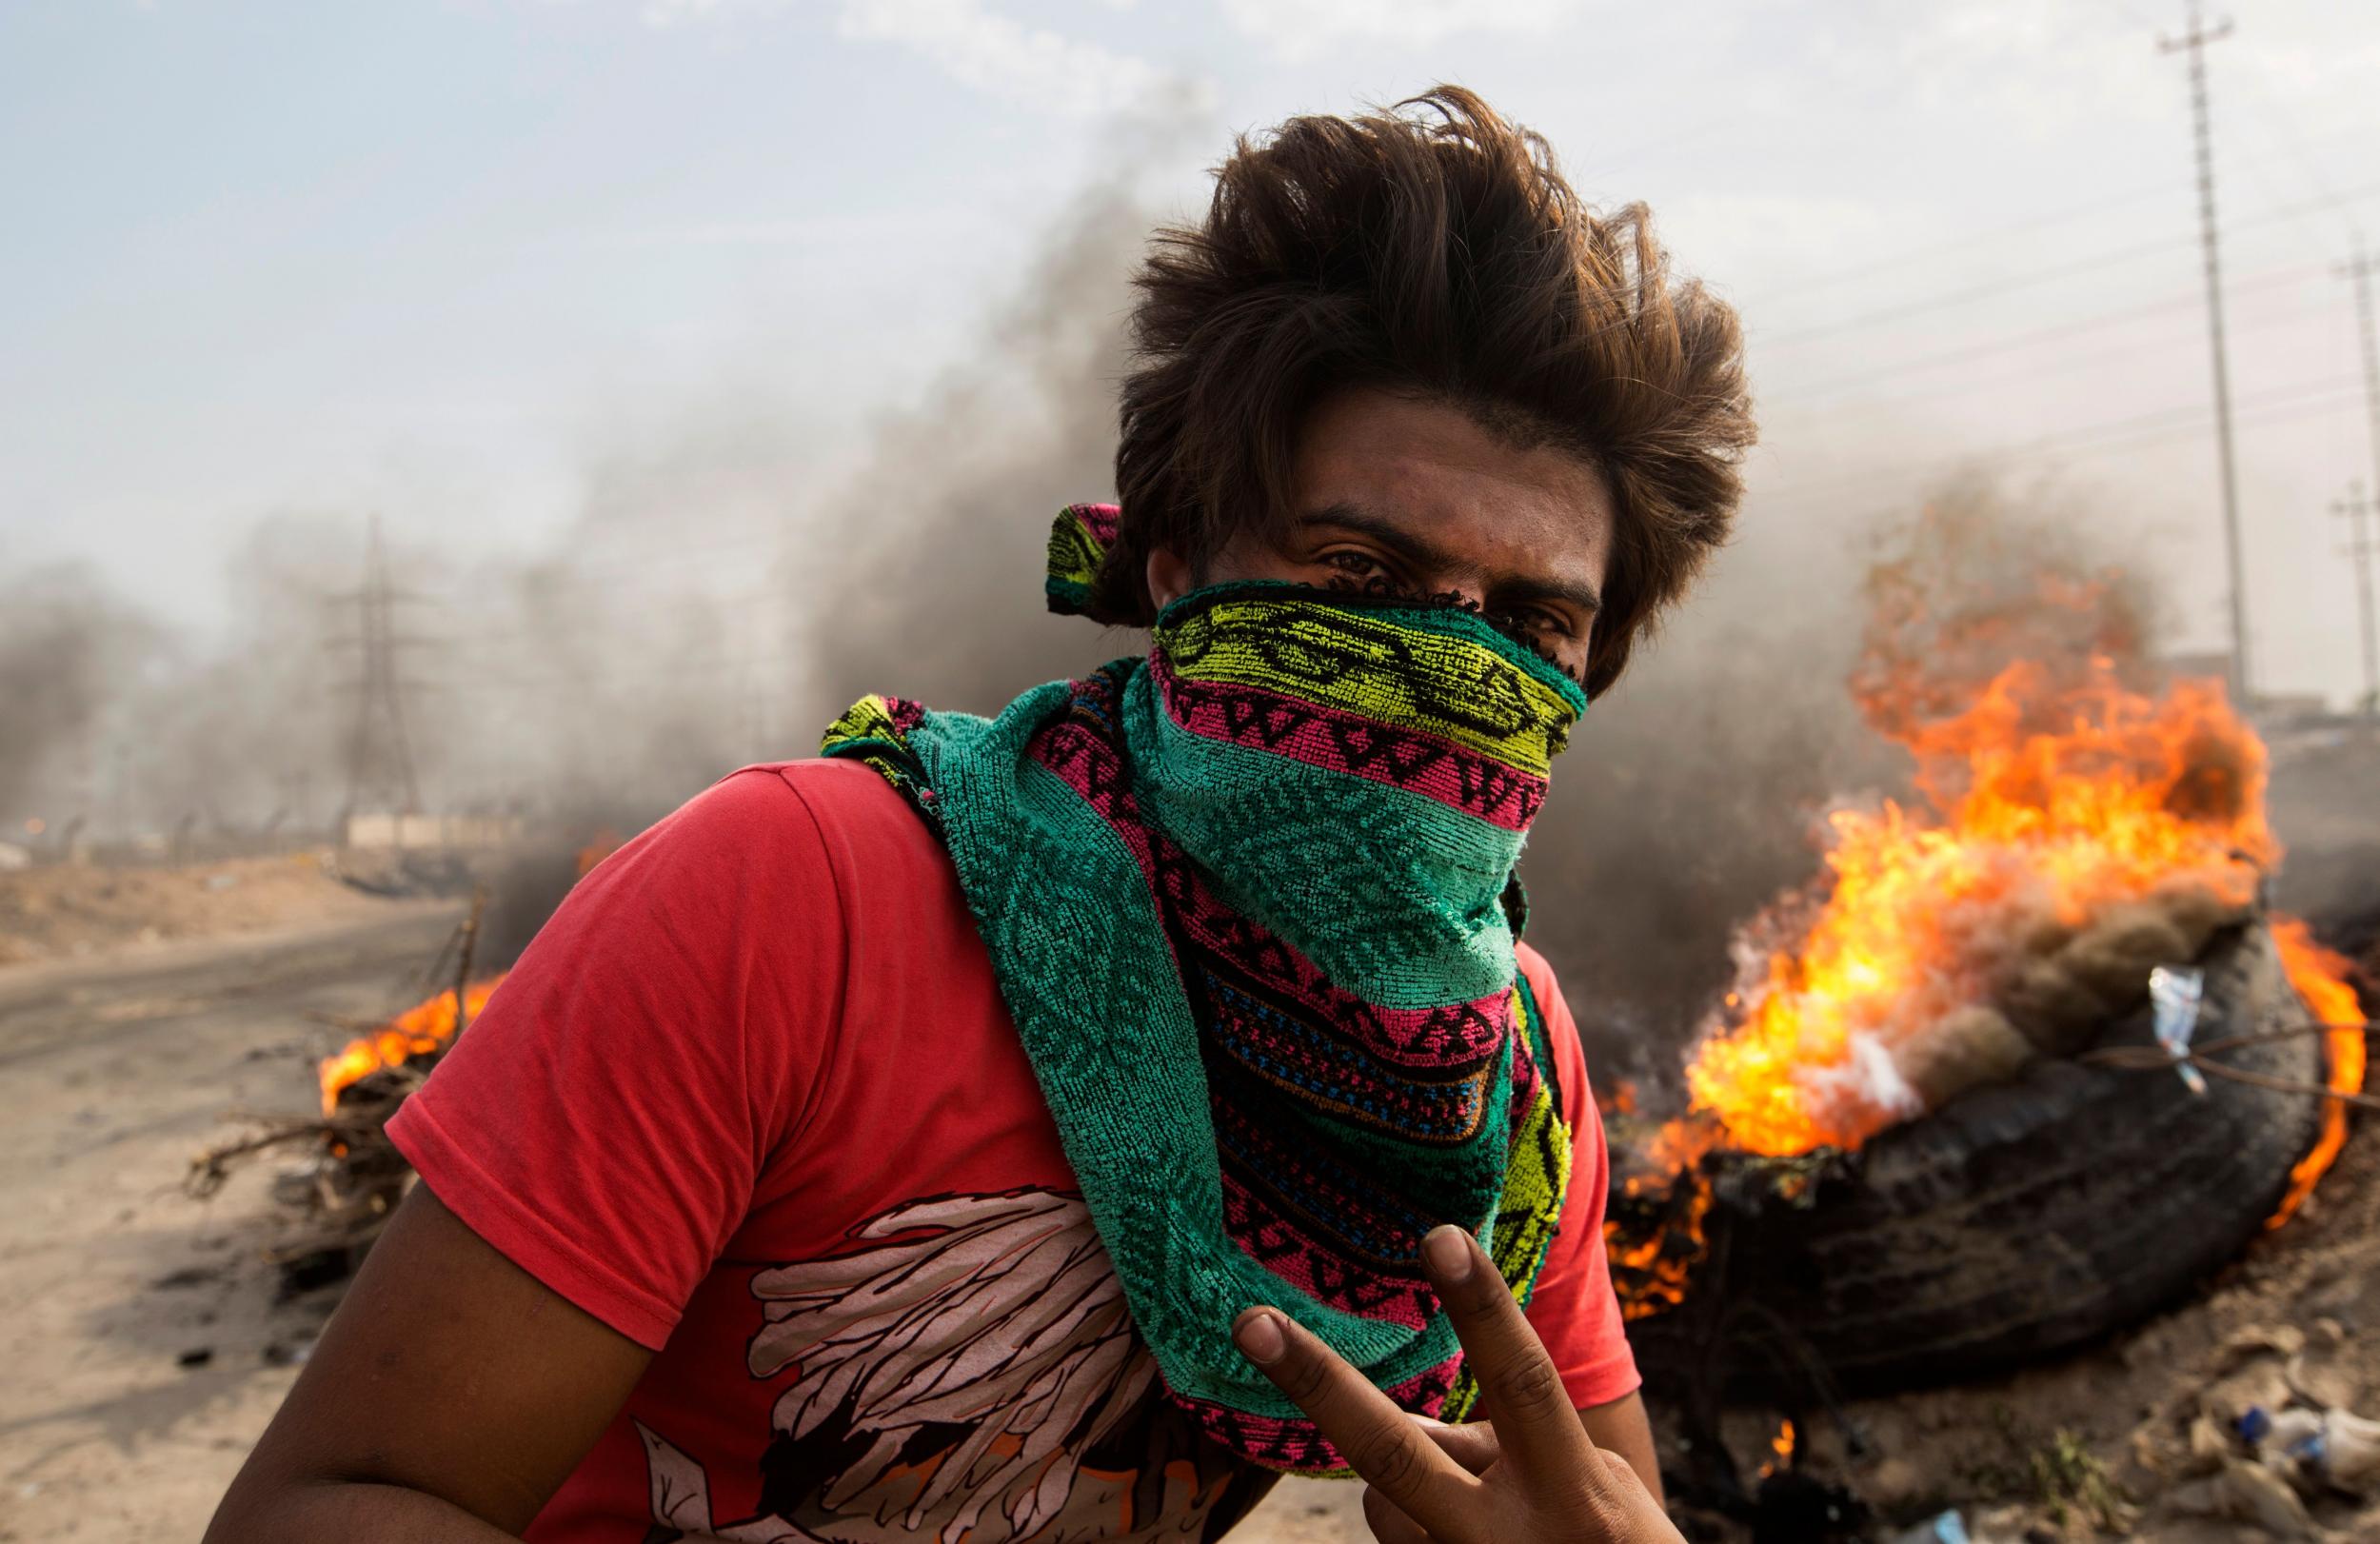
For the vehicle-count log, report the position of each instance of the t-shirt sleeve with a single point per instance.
(1573, 1308)
(604, 1122)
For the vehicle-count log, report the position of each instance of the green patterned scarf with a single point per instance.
(1251, 903)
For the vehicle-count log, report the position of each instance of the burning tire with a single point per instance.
(2020, 1218)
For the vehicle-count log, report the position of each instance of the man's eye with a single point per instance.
(1354, 568)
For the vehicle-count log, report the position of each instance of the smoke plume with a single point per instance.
(721, 594)
(68, 647)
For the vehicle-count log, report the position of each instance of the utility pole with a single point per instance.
(380, 752)
(2360, 546)
(2358, 271)
(2194, 42)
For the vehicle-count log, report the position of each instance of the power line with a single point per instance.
(689, 556)
(2292, 139)
(2162, 425)
(1965, 243)
(1987, 290)
(2009, 284)
(2061, 334)
(589, 602)
(2328, 197)
(2134, 433)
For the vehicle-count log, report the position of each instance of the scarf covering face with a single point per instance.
(1250, 901)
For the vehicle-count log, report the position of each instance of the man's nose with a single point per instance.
(1468, 593)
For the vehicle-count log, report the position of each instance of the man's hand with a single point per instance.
(1529, 1476)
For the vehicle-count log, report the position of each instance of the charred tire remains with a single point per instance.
(2020, 1218)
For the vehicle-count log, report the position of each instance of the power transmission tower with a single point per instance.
(380, 752)
(2194, 42)
(2359, 549)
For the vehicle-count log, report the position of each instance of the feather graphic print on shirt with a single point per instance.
(971, 1374)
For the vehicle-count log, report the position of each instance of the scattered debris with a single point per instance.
(2069, 1479)
(1796, 1508)
(285, 1353)
(2318, 1446)
(1942, 1527)
(2244, 1492)
(352, 1176)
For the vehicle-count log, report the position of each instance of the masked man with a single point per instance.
(1056, 1126)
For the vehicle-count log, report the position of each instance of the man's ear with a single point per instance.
(1169, 576)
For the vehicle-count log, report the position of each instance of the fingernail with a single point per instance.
(1260, 1337)
(1448, 1249)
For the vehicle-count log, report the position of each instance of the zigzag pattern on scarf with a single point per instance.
(1419, 762)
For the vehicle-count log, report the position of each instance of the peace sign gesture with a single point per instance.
(1528, 1475)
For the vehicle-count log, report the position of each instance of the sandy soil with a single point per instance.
(142, 1346)
(69, 911)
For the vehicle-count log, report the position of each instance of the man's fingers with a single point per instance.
(1380, 1443)
(1621, 1473)
(1536, 1425)
(1472, 1445)
(1389, 1524)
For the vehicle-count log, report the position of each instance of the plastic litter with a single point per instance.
(2175, 995)
(1943, 1528)
(2337, 1447)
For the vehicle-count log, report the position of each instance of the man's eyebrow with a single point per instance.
(1413, 548)
(1585, 597)
(1423, 553)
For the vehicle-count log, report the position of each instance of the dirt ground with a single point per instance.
(146, 1348)
(144, 1344)
(70, 911)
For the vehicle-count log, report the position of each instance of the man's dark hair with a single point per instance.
(1435, 252)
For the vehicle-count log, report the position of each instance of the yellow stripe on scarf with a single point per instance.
(1372, 666)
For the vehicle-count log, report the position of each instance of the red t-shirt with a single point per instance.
(753, 1100)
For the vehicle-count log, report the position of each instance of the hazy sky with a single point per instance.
(445, 260)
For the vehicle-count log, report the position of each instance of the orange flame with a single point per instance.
(1781, 1451)
(2060, 790)
(2320, 977)
(419, 1031)
(2124, 798)
(1650, 1273)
